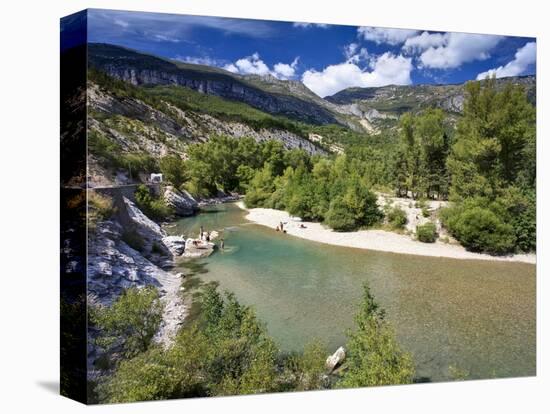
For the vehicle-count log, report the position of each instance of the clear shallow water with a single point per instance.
(477, 315)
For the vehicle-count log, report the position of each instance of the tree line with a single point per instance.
(485, 165)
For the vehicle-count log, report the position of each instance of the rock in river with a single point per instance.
(335, 359)
(176, 244)
(182, 202)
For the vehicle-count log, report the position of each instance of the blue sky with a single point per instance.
(327, 58)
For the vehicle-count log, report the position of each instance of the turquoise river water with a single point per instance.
(477, 315)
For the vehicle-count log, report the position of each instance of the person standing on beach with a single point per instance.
(222, 244)
(202, 230)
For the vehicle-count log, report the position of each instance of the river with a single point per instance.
(479, 316)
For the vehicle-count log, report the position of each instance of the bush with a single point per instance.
(153, 207)
(339, 217)
(100, 208)
(397, 218)
(480, 230)
(426, 233)
(131, 321)
(373, 355)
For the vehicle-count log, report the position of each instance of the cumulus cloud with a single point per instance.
(423, 41)
(454, 49)
(386, 69)
(308, 25)
(254, 65)
(525, 56)
(285, 70)
(355, 54)
(381, 35)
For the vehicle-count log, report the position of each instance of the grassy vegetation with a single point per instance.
(100, 208)
(153, 207)
(111, 155)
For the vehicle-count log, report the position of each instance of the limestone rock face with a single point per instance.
(335, 359)
(182, 202)
(114, 266)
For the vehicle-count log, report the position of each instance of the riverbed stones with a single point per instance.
(335, 359)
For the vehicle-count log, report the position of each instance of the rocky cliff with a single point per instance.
(132, 250)
(141, 69)
(130, 125)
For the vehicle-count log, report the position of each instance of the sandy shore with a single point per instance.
(379, 240)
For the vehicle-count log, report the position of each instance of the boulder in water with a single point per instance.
(335, 359)
(182, 202)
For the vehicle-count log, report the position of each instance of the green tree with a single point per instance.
(131, 321)
(308, 368)
(373, 355)
(174, 170)
(494, 138)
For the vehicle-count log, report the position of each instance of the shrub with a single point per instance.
(100, 208)
(480, 230)
(153, 207)
(131, 321)
(426, 233)
(397, 218)
(373, 355)
(339, 217)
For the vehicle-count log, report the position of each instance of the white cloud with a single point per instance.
(381, 35)
(355, 54)
(456, 49)
(254, 65)
(285, 70)
(525, 56)
(199, 60)
(164, 38)
(308, 25)
(424, 41)
(385, 70)
(231, 68)
(121, 23)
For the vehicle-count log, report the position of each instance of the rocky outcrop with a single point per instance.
(118, 261)
(182, 202)
(176, 244)
(195, 249)
(335, 359)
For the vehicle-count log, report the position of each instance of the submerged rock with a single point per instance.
(335, 359)
(182, 202)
